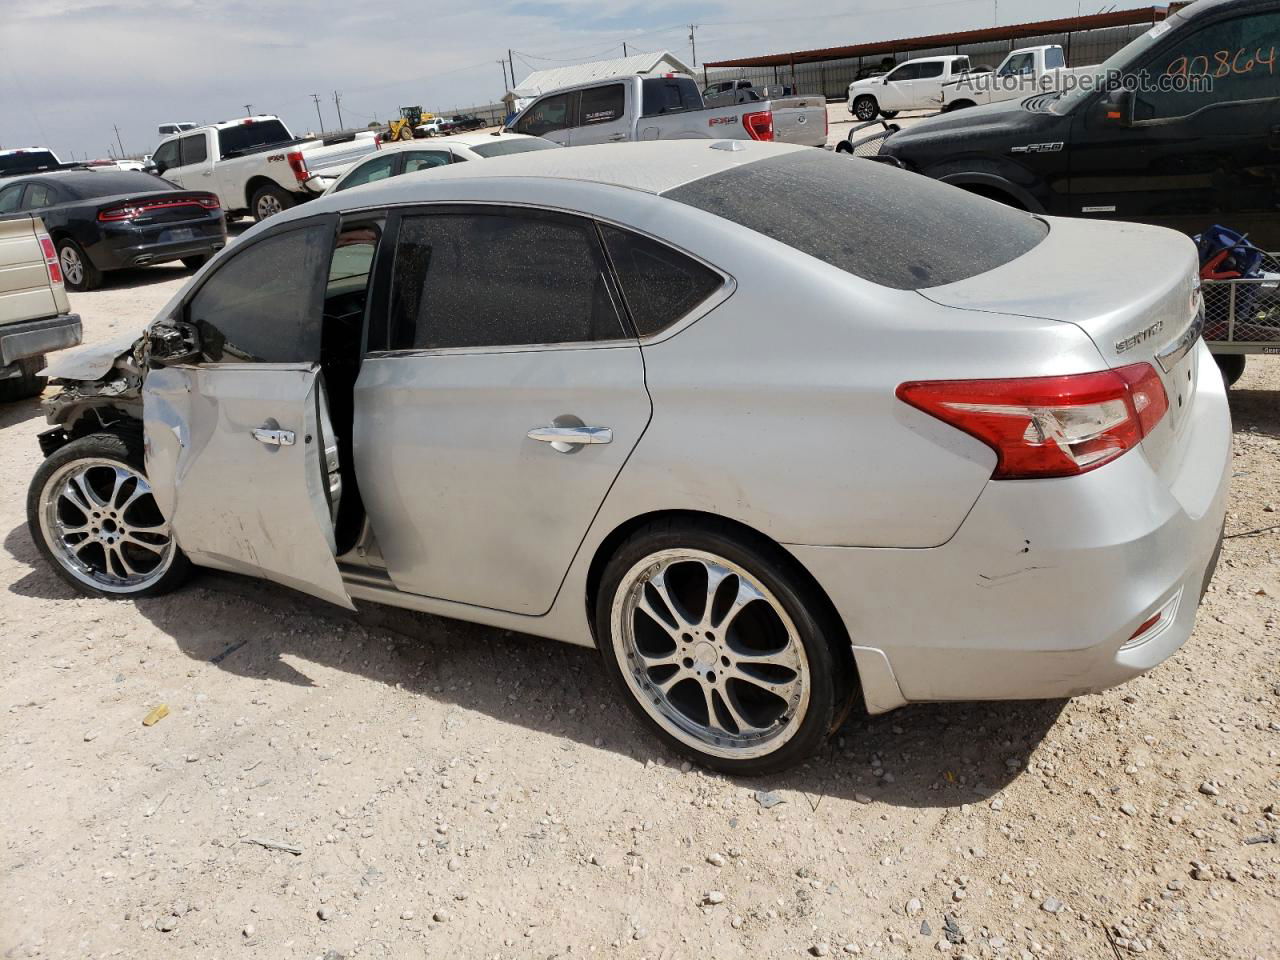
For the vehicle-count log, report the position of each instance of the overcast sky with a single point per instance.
(70, 69)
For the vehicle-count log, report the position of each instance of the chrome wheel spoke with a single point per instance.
(747, 594)
(158, 548)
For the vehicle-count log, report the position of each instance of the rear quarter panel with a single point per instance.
(25, 291)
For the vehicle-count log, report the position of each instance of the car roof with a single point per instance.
(654, 166)
(84, 175)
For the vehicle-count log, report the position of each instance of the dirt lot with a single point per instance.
(463, 792)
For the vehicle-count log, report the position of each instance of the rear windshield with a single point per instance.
(250, 136)
(29, 161)
(894, 228)
(509, 145)
(84, 186)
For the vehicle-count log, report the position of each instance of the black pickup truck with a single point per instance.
(1181, 128)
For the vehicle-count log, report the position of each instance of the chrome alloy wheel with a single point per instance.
(72, 266)
(710, 653)
(268, 206)
(102, 524)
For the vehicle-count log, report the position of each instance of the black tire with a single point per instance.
(865, 108)
(960, 105)
(844, 147)
(830, 690)
(26, 384)
(78, 272)
(265, 196)
(1232, 367)
(195, 263)
(125, 449)
(889, 114)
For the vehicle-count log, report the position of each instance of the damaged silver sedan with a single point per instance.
(779, 434)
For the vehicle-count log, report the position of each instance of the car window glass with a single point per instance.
(166, 156)
(345, 295)
(499, 279)
(660, 285)
(1053, 58)
(1022, 63)
(547, 116)
(379, 168)
(422, 160)
(39, 195)
(11, 198)
(1237, 59)
(503, 146)
(193, 149)
(928, 70)
(661, 95)
(602, 104)
(249, 135)
(908, 71)
(265, 302)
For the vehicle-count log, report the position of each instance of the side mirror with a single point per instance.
(172, 341)
(885, 81)
(152, 168)
(1116, 108)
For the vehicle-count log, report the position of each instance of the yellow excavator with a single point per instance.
(402, 127)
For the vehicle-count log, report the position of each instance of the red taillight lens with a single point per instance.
(50, 258)
(209, 202)
(117, 213)
(759, 124)
(298, 164)
(1049, 426)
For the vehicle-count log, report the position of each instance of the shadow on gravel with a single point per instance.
(936, 755)
(20, 411)
(1255, 410)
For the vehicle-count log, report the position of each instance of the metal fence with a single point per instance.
(831, 78)
(1245, 312)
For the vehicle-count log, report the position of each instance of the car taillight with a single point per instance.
(759, 124)
(1049, 426)
(50, 258)
(298, 164)
(209, 202)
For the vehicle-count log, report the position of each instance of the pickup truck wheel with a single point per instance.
(269, 200)
(1231, 365)
(865, 108)
(92, 516)
(26, 384)
(78, 271)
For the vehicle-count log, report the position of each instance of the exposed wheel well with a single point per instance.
(960, 105)
(253, 186)
(841, 641)
(993, 193)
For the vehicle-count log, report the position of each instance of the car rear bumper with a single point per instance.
(123, 247)
(31, 338)
(1041, 589)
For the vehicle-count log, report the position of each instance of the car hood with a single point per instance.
(92, 362)
(1011, 118)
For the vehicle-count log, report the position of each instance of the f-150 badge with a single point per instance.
(1038, 148)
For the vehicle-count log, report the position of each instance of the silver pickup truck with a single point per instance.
(637, 107)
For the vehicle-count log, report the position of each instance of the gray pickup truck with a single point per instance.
(35, 316)
(665, 107)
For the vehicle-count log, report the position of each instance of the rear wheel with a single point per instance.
(719, 646)
(268, 200)
(1232, 366)
(960, 105)
(78, 271)
(26, 383)
(92, 515)
(865, 108)
(406, 132)
(889, 114)
(195, 263)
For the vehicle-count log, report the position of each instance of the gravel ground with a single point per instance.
(452, 790)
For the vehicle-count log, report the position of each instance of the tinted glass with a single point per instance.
(29, 161)
(246, 137)
(501, 147)
(1015, 66)
(547, 116)
(1053, 58)
(885, 225)
(928, 70)
(166, 156)
(660, 285)
(86, 186)
(11, 198)
(668, 95)
(194, 149)
(500, 279)
(602, 104)
(265, 303)
(1232, 60)
(422, 160)
(379, 168)
(40, 195)
(908, 71)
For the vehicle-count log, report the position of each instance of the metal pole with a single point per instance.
(624, 48)
(121, 145)
(248, 109)
(337, 102)
(316, 98)
(511, 62)
(693, 44)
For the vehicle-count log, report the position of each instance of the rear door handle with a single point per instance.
(617, 137)
(565, 439)
(274, 438)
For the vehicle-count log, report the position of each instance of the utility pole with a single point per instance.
(337, 102)
(624, 48)
(248, 109)
(121, 145)
(505, 88)
(512, 63)
(693, 44)
(316, 98)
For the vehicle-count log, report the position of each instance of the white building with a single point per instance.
(540, 81)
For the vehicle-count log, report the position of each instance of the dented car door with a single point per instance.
(240, 450)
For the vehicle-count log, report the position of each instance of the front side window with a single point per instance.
(265, 303)
(379, 168)
(504, 278)
(425, 160)
(908, 71)
(602, 104)
(193, 149)
(166, 156)
(11, 198)
(548, 115)
(1023, 63)
(1224, 62)
(659, 284)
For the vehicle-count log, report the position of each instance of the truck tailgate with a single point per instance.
(25, 291)
(335, 158)
(800, 120)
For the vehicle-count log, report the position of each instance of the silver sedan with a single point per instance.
(780, 433)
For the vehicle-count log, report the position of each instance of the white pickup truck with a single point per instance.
(914, 85)
(255, 165)
(667, 107)
(1023, 73)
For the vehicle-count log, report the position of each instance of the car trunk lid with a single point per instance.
(165, 206)
(1133, 289)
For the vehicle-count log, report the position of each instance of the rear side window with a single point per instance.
(499, 279)
(669, 95)
(247, 137)
(40, 195)
(660, 285)
(894, 228)
(194, 149)
(602, 104)
(928, 70)
(1053, 58)
(265, 303)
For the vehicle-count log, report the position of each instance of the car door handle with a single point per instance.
(563, 438)
(274, 438)
(617, 138)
